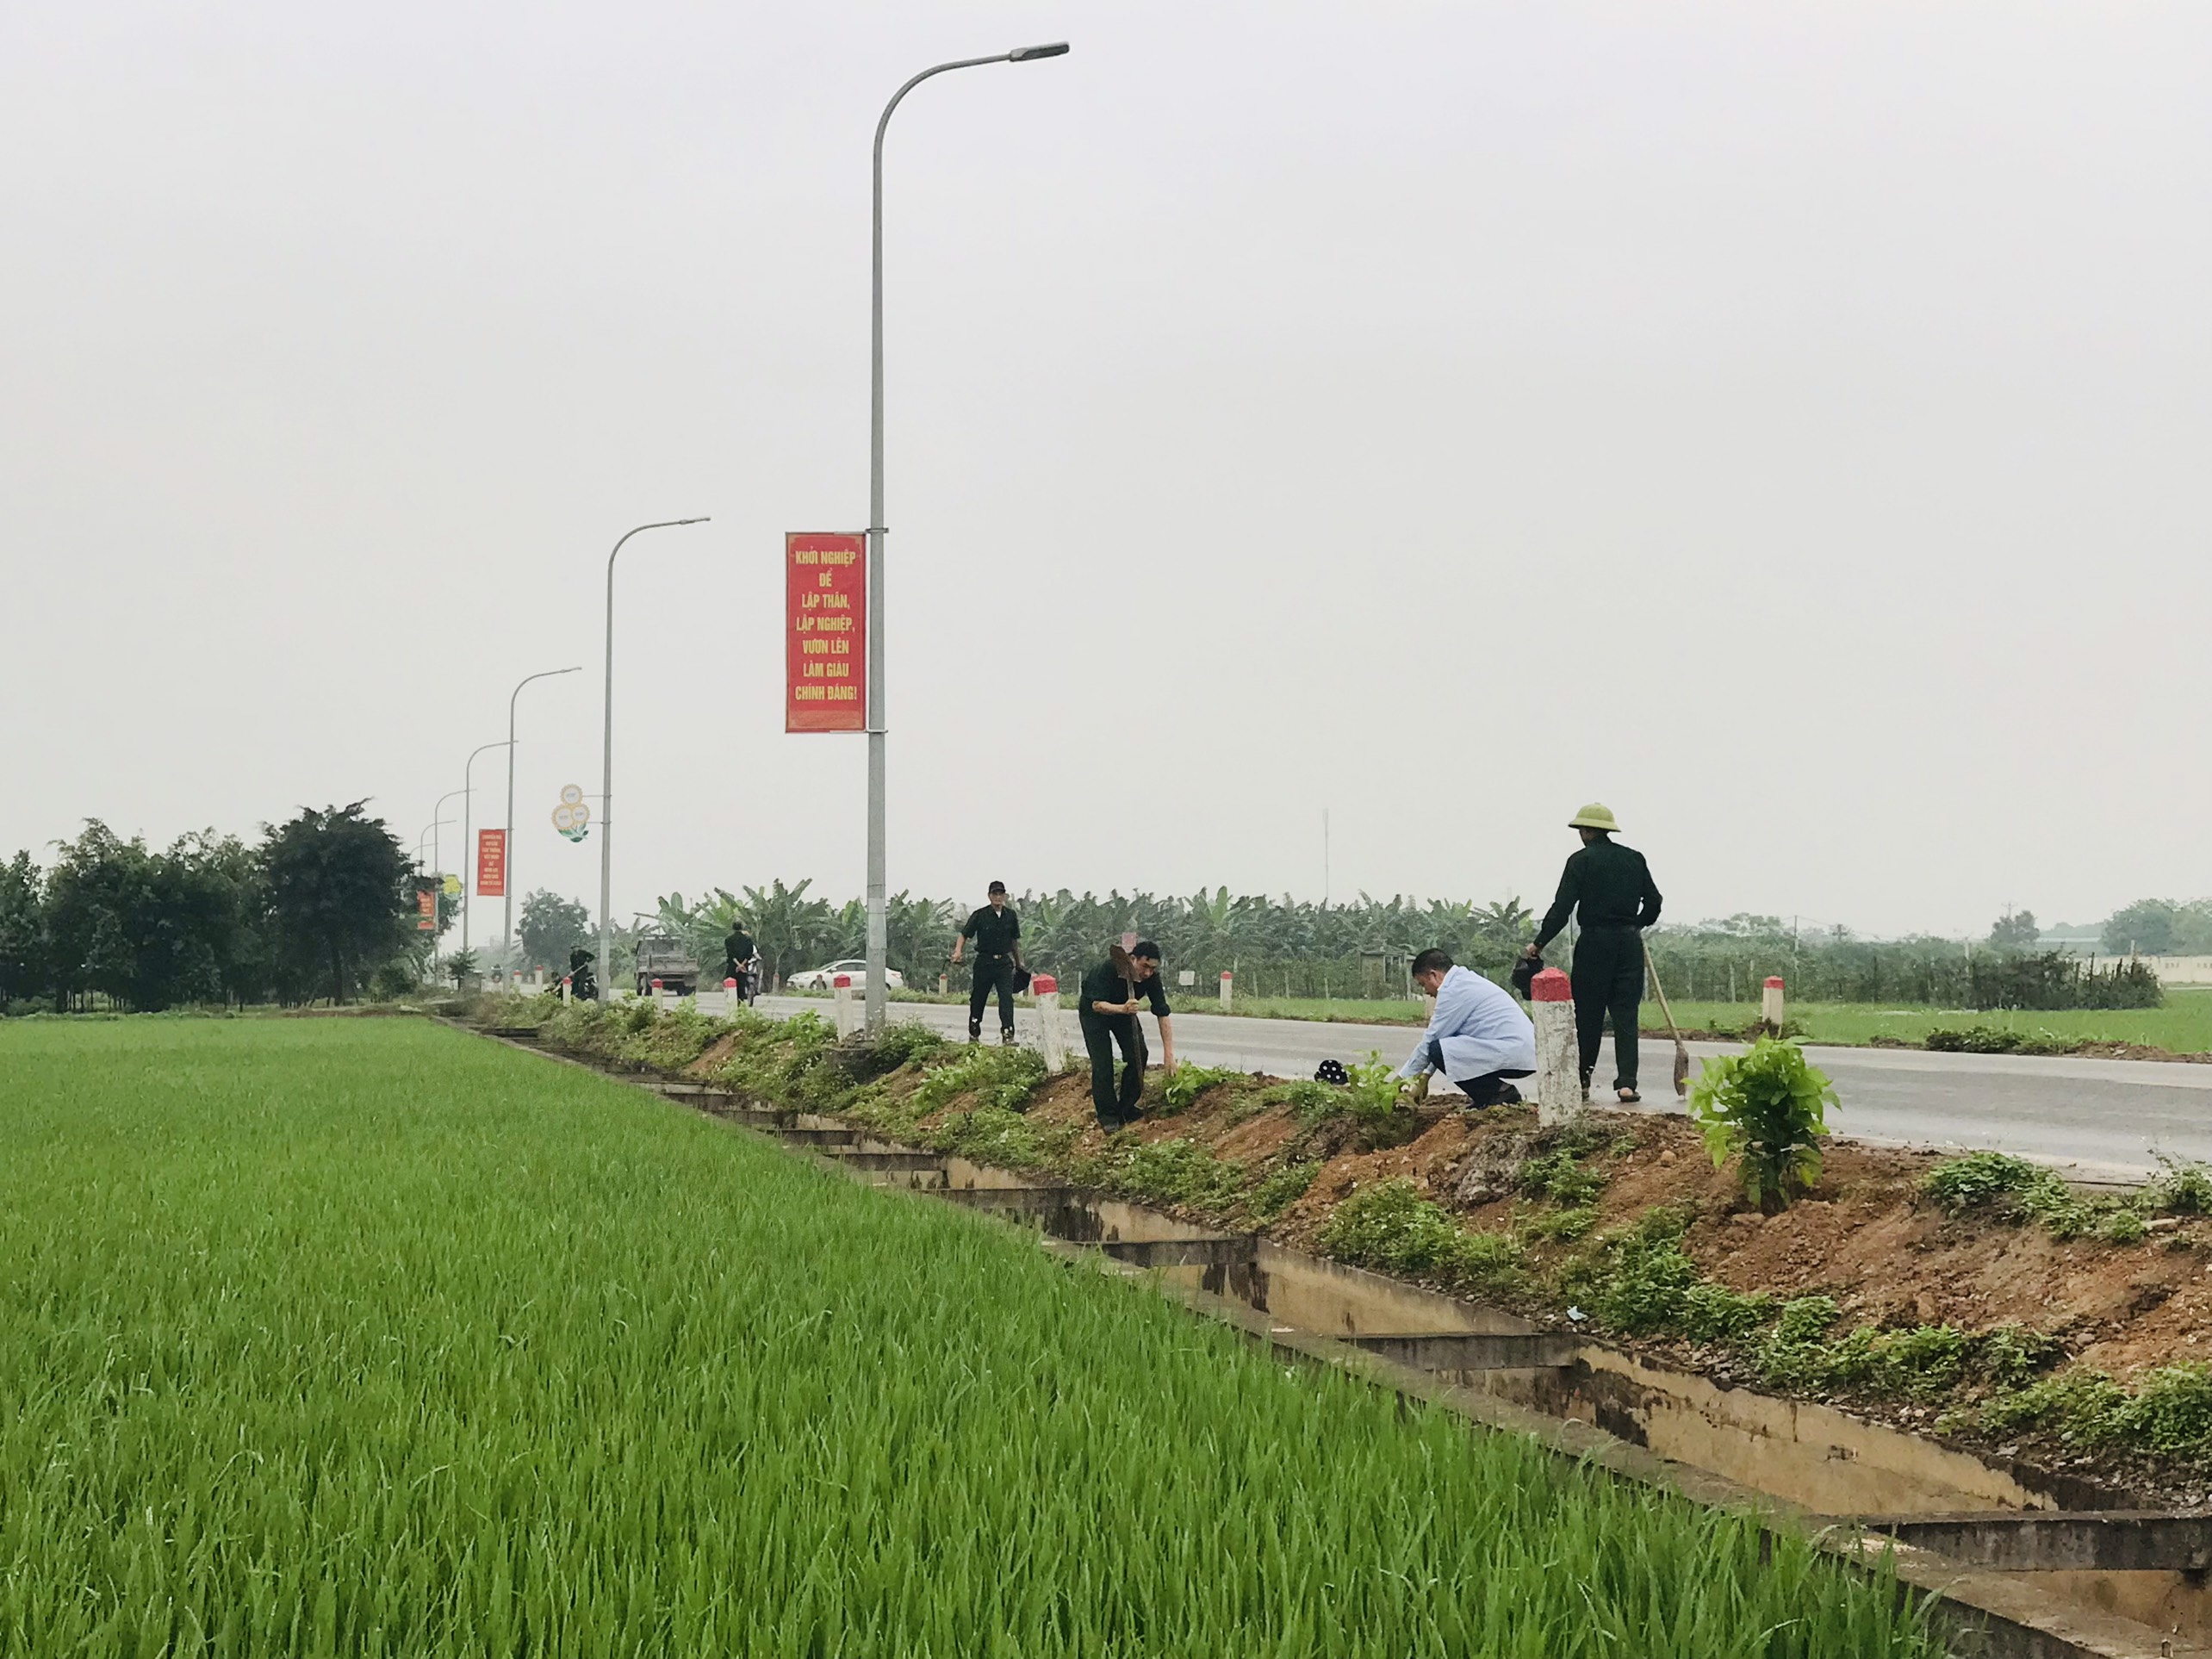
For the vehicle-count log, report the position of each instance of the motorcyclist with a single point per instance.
(739, 957)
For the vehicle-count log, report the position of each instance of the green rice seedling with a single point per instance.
(371, 1338)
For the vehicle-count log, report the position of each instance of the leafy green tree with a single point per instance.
(337, 895)
(2145, 927)
(23, 930)
(2015, 930)
(551, 927)
(150, 931)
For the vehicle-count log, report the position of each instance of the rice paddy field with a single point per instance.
(339, 1336)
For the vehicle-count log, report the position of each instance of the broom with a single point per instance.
(1681, 1054)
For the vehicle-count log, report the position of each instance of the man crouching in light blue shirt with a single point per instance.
(1478, 1036)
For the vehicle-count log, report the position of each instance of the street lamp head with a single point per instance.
(693, 521)
(1024, 54)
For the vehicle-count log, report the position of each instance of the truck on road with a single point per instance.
(664, 957)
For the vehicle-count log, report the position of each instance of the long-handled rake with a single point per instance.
(1681, 1054)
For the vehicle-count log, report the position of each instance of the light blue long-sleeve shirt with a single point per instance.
(1478, 1027)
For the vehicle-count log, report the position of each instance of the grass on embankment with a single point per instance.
(370, 1336)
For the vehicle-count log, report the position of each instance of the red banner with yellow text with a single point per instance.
(825, 631)
(491, 864)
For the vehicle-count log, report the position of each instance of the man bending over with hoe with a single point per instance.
(1113, 994)
(1478, 1036)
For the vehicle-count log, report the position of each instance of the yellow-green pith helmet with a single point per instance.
(1596, 816)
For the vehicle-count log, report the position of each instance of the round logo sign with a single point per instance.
(564, 817)
(570, 795)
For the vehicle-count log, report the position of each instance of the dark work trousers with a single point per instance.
(1489, 1089)
(1608, 979)
(1100, 1033)
(993, 973)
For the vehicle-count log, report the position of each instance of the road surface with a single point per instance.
(2105, 1117)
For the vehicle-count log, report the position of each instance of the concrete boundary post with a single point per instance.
(1224, 990)
(1559, 1096)
(1052, 1038)
(849, 1011)
(1770, 1002)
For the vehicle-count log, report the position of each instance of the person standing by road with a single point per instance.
(1610, 890)
(1478, 1037)
(1114, 993)
(997, 934)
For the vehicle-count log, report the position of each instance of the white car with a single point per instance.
(822, 978)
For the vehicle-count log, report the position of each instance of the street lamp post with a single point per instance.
(467, 808)
(878, 944)
(506, 926)
(606, 776)
(435, 822)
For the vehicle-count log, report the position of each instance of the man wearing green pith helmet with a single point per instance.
(1609, 889)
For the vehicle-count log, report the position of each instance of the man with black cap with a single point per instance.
(1114, 992)
(997, 934)
(1609, 889)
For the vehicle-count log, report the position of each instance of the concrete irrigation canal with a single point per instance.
(2027, 1563)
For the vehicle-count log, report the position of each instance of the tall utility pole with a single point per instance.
(506, 926)
(879, 948)
(606, 776)
(468, 849)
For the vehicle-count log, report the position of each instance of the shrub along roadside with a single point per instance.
(1767, 1108)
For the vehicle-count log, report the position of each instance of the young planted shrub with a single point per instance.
(1769, 1107)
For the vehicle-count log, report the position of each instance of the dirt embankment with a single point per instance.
(1866, 1235)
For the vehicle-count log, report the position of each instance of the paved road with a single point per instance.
(2106, 1117)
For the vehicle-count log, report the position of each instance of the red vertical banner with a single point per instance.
(491, 864)
(427, 903)
(825, 631)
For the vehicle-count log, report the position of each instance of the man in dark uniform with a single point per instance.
(1113, 994)
(737, 958)
(1617, 900)
(583, 985)
(997, 934)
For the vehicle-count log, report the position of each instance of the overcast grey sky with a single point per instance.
(1788, 425)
